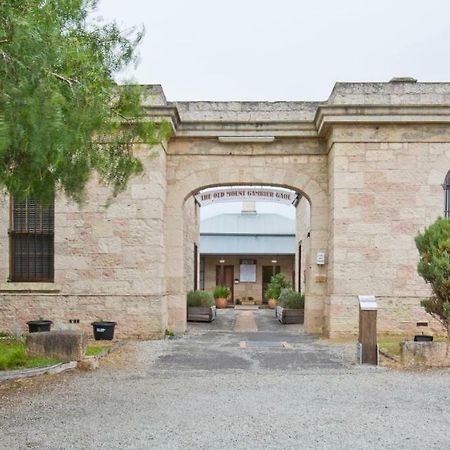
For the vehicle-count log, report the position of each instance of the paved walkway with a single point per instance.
(218, 388)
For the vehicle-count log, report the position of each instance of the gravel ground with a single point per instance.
(203, 391)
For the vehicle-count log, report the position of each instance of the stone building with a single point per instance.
(370, 163)
(243, 251)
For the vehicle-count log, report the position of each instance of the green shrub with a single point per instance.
(277, 283)
(199, 298)
(434, 268)
(221, 292)
(291, 299)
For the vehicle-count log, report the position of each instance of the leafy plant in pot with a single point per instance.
(291, 307)
(221, 294)
(273, 291)
(200, 306)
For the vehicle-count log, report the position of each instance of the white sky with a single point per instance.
(285, 49)
(282, 50)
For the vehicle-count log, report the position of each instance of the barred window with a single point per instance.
(447, 195)
(31, 237)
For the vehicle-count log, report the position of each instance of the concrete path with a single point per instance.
(217, 388)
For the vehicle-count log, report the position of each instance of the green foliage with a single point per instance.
(62, 116)
(92, 350)
(277, 283)
(199, 298)
(434, 267)
(291, 299)
(221, 292)
(13, 356)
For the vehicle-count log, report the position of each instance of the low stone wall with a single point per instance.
(425, 354)
(138, 317)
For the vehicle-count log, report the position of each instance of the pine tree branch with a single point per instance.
(69, 81)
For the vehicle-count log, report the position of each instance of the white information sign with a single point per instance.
(247, 273)
(245, 194)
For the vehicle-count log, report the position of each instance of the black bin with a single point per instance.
(103, 331)
(36, 326)
(423, 338)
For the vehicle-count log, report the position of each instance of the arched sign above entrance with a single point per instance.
(239, 194)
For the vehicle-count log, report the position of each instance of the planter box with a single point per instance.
(201, 313)
(287, 316)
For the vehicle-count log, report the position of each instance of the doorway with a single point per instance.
(267, 273)
(225, 277)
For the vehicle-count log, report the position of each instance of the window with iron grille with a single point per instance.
(31, 237)
(447, 195)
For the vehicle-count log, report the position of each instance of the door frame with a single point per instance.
(219, 267)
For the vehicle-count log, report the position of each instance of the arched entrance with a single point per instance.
(189, 175)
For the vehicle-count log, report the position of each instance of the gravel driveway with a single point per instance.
(218, 389)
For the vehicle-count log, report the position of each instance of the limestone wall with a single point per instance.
(109, 261)
(383, 191)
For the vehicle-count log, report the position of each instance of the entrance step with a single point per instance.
(246, 307)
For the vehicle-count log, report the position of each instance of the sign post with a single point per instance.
(367, 340)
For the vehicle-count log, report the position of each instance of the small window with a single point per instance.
(447, 196)
(31, 237)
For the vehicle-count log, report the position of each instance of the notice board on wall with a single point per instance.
(247, 271)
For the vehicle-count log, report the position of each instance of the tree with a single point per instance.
(434, 267)
(62, 116)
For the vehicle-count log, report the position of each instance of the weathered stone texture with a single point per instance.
(381, 194)
(370, 161)
(66, 345)
(136, 316)
(425, 354)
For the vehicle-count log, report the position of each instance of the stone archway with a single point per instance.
(193, 177)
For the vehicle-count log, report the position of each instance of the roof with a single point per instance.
(248, 224)
(247, 245)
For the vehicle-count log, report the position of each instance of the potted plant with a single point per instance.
(273, 291)
(103, 330)
(291, 307)
(221, 294)
(200, 306)
(36, 326)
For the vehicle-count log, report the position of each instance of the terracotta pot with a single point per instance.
(272, 303)
(221, 303)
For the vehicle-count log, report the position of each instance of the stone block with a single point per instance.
(67, 345)
(425, 354)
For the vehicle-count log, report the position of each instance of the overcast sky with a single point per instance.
(282, 49)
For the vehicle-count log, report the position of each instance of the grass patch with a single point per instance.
(14, 356)
(94, 350)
